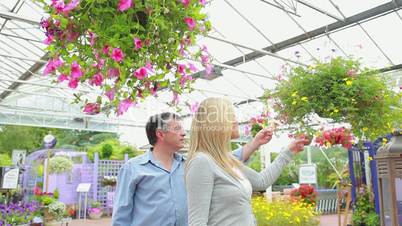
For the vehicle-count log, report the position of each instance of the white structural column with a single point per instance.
(266, 160)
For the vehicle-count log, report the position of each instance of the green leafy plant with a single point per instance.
(56, 193)
(364, 213)
(340, 90)
(60, 164)
(128, 49)
(107, 151)
(283, 213)
(5, 160)
(57, 209)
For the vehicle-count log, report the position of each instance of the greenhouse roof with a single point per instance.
(251, 41)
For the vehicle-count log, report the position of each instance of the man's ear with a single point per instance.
(159, 134)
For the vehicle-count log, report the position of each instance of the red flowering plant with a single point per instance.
(44, 198)
(305, 193)
(336, 136)
(128, 49)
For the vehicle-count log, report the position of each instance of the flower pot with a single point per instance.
(95, 214)
(47, 217)
(52, 223)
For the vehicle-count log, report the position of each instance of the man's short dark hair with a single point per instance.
(158, 121)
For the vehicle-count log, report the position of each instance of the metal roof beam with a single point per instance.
(13, 16)
(320, 10)
(25, 76)
(376, 11)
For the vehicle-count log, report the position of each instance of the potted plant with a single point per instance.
(305, 193)
(364, 213)
(130, 50)
(60, 164)
(95, 211)
(56, 210)
(340, 90)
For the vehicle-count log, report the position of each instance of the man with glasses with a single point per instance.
(150, 187)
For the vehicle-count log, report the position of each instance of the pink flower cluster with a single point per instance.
(336, 136)
(115, 67)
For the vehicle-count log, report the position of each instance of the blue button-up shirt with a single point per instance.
(149, 195)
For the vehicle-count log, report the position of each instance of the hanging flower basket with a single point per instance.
(340, 90)
(128, 49)
(336, 136)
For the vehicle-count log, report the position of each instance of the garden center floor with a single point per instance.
(326, 220)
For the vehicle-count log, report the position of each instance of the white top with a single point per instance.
(244, 182)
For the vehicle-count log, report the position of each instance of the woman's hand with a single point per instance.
(298, 144)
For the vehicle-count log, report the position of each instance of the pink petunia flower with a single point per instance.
(124, 105)
(181, 68)
(204, 49)
(59, 5)
(204, 59)
(203, 2)
(141, 73)
(106, 50)
(62, 78)
(149, 67)
(92, 108)
(137, 43)
(194, 107)
(96, 80)
(208, 69)
(155, 89)
(125, 4)
(52, 65)
(190, 23)
(72, 36)
(192, 67)
(185, 2)
(49, 39)
(117, 54)
(110, 94)
(70, 6)
(92, 37)
(73, 83)
(76, 70)
(113, 72)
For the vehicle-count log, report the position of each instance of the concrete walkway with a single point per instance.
(326, 220)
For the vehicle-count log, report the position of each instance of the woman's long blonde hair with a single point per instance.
(211, 131)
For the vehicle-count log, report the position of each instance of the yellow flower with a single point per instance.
(365, 129)
(304, 98)
(294, 94)
(349, 83)
(336, 110)
(384, 140)
(294, 102)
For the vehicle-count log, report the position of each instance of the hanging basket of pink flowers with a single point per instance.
(128, 49)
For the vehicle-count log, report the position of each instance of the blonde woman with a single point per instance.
(219, 187)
